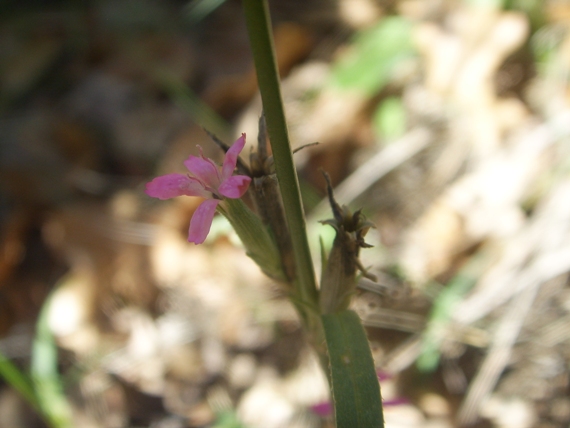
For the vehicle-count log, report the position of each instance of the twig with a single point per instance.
(498, 356)
(547, 238)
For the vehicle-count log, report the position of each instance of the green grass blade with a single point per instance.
(45, 375)
(197, 10)
(18, 380)
(187, 100)
(442, 310)
(375, 57)
(356, 391)
(260, 33)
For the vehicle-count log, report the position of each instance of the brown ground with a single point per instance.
(470, 319)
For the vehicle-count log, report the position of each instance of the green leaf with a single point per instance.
(188, 101)
(45, 375)
(18, 380)
(258, 25)
(198, 10)
(374, 56)
(227, 419)
(442, 310)
(355, 386)
(389, 119)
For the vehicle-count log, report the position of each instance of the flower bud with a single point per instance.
(338, 281)
(268, 202)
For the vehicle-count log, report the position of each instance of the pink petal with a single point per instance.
(202, 221)
(172, 185)
(230, 161)
(204, 169)
(323, 409)
(395, 402)
(235, 186)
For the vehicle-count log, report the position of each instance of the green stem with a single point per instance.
(261, 41)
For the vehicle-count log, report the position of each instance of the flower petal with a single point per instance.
(202, 221)
(172, 185)
(204, 169)
(230, 161)
(235, 186)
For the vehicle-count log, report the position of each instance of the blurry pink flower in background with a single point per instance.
(208, 180)
(325, 408)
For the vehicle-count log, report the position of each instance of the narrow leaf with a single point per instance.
(45, 375)
(355, 387)
(18, 380)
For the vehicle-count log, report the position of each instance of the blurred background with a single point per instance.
(447, 121)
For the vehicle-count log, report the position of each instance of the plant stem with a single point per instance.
(261, 41)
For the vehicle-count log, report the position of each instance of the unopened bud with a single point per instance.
(338, 281)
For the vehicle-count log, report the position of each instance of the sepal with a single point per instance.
(255, 236)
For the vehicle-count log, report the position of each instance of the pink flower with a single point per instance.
(208, 180)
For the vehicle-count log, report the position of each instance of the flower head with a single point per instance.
(208, 180)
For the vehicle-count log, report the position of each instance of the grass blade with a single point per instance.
(356, 391)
